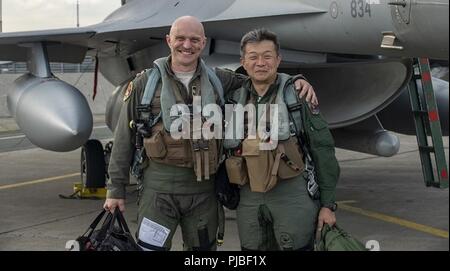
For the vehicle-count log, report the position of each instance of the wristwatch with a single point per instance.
(332, 206)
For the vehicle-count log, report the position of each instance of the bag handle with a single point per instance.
(105, 226)
(320, 235)
(326, 228)
(118, 216)
(122, 223)
(94, 224)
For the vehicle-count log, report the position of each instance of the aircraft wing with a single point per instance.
(65, 45)
(135, 28)
(375, 27)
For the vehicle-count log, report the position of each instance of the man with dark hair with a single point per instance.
(278, 207)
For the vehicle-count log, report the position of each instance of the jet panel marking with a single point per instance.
(334, 10)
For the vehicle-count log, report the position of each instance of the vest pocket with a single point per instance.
(236, 170)
(162, 148)
(262, 166)
(154, 146)
(177, 153)
(291, 164)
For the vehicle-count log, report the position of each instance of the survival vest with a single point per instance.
(201, 154)
(262, 168)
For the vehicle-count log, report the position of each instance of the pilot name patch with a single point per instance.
(128, 91)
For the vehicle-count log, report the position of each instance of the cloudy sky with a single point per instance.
(24, 15)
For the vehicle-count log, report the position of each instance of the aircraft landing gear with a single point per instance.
(94, 162)
(107, 154)
(93, 170)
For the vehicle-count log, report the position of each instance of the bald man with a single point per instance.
(176, 186)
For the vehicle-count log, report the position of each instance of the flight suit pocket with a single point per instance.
(262, 166)
(155, 147)
(236, 170)
(319, 134)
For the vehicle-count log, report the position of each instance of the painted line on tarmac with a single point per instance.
(9, 186)
(343, 205)
(12, 137)
(23, 136)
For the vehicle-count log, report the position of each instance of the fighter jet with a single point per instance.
(356, 53)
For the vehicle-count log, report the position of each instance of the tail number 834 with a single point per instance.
(360, 8)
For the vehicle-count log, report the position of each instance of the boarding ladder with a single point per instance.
(426, 118)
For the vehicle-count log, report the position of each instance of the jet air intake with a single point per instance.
(354, 91)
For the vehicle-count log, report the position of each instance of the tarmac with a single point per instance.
(383, 202)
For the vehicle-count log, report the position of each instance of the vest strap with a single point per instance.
(198, 159)
(153, 78)
(217, 85)
(206, 162)
(294, 106)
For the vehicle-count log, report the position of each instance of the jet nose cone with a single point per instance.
(55, 116)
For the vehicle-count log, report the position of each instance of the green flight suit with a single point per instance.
(285, 217)
(170, 195)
